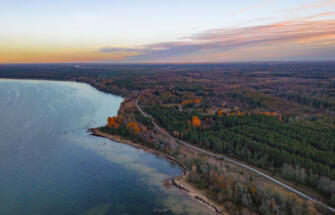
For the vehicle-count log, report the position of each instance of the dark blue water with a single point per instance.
(50, 165)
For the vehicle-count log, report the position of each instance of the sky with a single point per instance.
(166, 31)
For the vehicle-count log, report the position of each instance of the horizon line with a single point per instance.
(171, 63)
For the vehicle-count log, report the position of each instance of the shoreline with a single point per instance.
(177, 181)
(125, 141)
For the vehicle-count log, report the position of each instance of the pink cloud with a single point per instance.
(293, 32)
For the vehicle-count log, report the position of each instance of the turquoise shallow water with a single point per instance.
(50, 165)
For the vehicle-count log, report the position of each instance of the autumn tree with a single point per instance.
(197, 101)
(133, 127)
(191, 101)
(196, 123)
(111, 122)
(185, 102)
(114, 122)
(280, 118)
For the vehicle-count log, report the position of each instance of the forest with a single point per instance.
(279, 117)
(300, 152)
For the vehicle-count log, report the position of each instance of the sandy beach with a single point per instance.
(179, 182)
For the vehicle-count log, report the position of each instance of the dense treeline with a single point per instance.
(252, 102)
(303, 100)
(144, 120)
(121, 131)
(261, 140)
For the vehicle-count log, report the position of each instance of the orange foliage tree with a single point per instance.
(196, 123)
(133, 127)
(197, 101)
(112, 122)
(269, 113)
(191, 101)
(280, 118)
(186, 102)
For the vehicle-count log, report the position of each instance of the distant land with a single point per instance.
(254, 138)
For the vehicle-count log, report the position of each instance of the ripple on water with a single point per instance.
(50, 165)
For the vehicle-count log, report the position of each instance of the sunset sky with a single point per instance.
(166, 31)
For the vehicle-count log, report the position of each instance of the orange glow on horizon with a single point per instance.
(47, 54)
(279, 40)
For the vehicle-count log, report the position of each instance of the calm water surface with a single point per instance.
(50, 165)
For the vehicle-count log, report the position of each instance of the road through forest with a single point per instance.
(218, 156)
